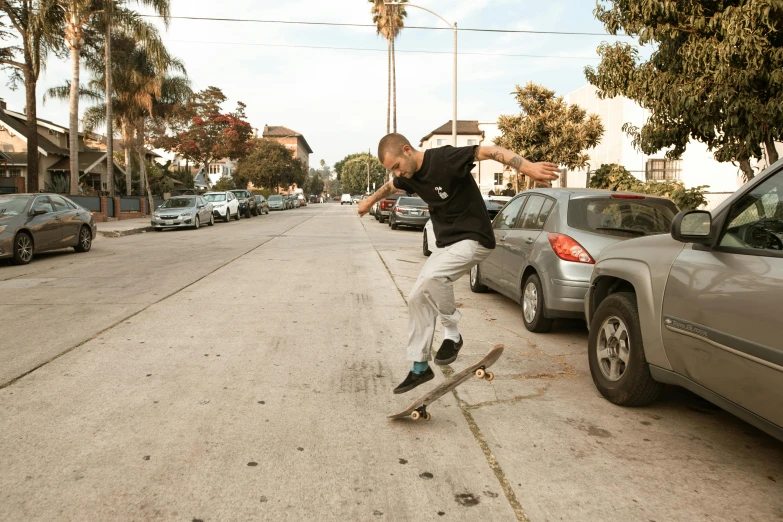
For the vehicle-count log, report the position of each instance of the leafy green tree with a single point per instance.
(549, 129)
(617, 177)
(316, 185)
(36, 29)
(715, 74)
(225, 183)
(270, 164)
(352, 172)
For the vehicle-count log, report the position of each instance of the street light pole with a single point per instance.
(454, 27)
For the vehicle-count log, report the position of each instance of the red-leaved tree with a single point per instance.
(203, 134)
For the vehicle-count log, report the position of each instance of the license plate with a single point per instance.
(169, 222)
(416, 212)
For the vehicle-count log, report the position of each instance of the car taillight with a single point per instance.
(568, 249)
(399, 210)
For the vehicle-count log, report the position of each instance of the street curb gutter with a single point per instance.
(122, 233)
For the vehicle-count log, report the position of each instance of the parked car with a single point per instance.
(302, 200)
(261, 204)
(699, 308)
(224, 205)
(247, 202)
(409, 212)
(346, 198)
(33, 223)
(277, 202)
(336, 198)
(494, 205)
(547, 241)
(357, 198)
(294, 200)
(385, 206)
(183, 212)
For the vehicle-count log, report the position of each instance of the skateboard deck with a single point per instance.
(418, 408)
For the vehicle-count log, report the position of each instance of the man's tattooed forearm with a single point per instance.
(515, 162)
(498, 156)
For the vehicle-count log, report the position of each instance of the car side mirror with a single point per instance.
(39, 211)
(693, 226)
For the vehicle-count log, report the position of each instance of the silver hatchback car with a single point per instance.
(548, 240)
(183, 212)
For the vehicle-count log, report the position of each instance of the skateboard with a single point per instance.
(418, 408)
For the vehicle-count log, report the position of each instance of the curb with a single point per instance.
(122, 233)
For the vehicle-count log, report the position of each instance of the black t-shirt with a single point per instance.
(457, 209)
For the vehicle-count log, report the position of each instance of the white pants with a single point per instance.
(433, 294)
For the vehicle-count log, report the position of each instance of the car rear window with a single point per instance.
(411, 202)
(275, 198)
(619, 216)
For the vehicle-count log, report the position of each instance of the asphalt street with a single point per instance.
(244, 372)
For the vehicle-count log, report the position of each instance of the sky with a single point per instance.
(336, 98)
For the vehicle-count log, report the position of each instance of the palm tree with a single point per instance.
(39, 27)
(162, 8)
(389, 22)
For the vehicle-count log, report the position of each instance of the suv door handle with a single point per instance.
(529, 241)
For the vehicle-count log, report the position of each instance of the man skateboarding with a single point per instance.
(463, 232)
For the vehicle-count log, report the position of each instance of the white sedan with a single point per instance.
(224, 205)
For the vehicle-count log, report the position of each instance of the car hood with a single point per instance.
(647, 249)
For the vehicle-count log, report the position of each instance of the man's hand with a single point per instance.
(543, 172)
(364, 206)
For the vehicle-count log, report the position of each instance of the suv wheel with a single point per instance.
(533, 306)
(227, 217)
(615, 350)
(475, 281)
(425, 247)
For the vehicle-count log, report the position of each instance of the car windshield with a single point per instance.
(215, 197)
(13, 205)
(622, 216)
(275, 198)
(179, 203)
(239, 193)
(411, 202)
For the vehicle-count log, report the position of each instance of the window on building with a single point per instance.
(11, 173)
(663, 169)
(498, 178)
(216, 169)
(472, 142)
(440, 143)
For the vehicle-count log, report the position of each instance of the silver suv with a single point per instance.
(699, 308)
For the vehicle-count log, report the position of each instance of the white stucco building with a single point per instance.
(696, 167)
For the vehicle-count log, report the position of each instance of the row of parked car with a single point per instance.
(195, 210)
(687, 298)
(287, 201)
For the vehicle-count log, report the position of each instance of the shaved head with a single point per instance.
(392, 145)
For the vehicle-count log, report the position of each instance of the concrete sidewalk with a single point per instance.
(125, 227)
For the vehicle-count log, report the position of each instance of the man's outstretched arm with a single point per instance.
(543, 172)
(382, 193)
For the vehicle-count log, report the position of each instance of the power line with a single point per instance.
(385, 50)
(339, 24)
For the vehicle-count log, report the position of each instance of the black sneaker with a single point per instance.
(448, 351)
(413, 380)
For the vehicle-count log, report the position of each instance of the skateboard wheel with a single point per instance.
(415, 415)
(490, 376)
(427, 416)
(480, 373)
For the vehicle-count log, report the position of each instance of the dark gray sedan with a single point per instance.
(409, 212)
(32, 223)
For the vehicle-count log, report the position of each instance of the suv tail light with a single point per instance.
(387, 204)
(567, 249)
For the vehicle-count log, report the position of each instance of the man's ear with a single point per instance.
(406, 149)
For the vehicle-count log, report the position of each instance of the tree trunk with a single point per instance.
(747, 170)
(109, 123)
(128, 166)
(772, 153)
(143, 176)
(32, 132)
(394, 86)
(139, 141)
(74, 121)
(388, 89)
